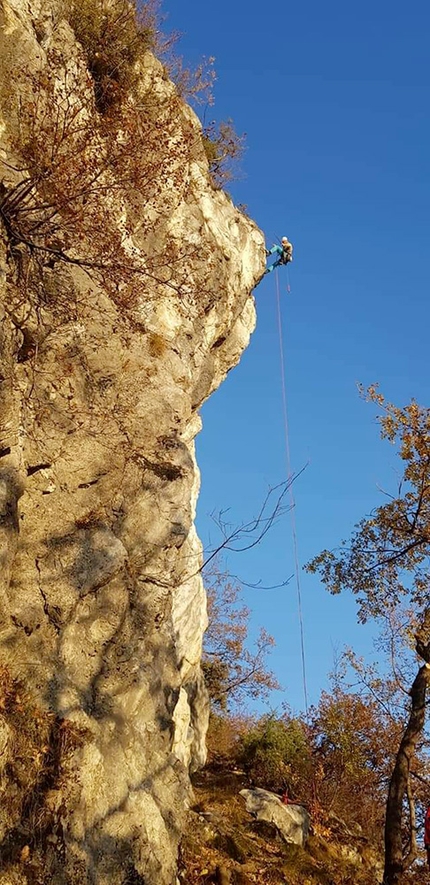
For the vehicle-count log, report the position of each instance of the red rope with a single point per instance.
(291, 493)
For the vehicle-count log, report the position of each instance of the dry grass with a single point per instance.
(35, 776)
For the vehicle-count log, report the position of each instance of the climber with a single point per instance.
(427, 835)
(284, 252)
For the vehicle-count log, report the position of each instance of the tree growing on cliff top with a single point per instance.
(386, 565)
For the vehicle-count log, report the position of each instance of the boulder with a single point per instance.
(291, 821)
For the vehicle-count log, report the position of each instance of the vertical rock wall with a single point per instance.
(102, 607)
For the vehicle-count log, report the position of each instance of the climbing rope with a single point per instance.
(291, 494)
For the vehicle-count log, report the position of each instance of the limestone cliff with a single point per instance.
(125, 282)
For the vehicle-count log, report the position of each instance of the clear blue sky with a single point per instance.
(334, 98)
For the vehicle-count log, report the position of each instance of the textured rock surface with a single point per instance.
(101, 603)
(292, 821)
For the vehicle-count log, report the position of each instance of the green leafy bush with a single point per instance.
(275, 753)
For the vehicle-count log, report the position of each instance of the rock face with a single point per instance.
(123, 306)
(292, 821)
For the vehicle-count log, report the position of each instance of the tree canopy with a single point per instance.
(234, 670)
(386, 565)
(386, 560)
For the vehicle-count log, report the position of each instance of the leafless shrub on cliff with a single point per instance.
(193, 84)
(223, 148)
(238, 538)
(81, 175)
(98, 153)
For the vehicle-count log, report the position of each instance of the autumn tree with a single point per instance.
(385, 565)
(235, 671)
(353, 739)
(336, 762)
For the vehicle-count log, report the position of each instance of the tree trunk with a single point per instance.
(396, 862)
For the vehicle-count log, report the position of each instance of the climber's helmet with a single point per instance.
(285, 241)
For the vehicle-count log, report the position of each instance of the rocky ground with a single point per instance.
(223, 844)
